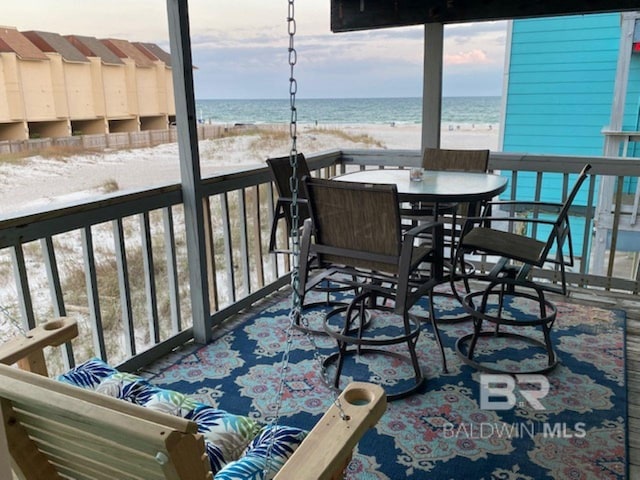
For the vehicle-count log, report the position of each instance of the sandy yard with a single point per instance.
(30, 183)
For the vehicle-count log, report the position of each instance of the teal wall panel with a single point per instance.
(560, 90)
(560, 84)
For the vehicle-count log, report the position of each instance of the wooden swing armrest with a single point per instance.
(326, 451)
(27, 350)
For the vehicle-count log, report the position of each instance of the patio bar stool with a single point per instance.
(356, 230)
(282, 173)
(518, 253)
(541, 313)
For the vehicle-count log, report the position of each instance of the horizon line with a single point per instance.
(345, 98)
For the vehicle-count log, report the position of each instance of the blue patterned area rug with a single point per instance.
(452, 428)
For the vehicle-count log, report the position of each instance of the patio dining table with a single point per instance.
(441, 187)
(435, 186)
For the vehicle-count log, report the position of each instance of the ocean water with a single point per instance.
(455, 110)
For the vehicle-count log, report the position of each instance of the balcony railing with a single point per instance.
(118, 263)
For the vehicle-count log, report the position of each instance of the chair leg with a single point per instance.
(436, 332)
(342, 352)
(500, 306)
(411, 345)
(546, 330)
(477, 322)
(361, 325)
(477, 328)
(546, 327)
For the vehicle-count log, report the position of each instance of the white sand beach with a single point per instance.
(28, 183)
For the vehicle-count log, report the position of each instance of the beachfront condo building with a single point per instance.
(56, 86)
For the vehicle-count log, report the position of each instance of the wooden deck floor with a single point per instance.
(631, 304)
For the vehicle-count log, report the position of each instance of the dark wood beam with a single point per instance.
(348, 15)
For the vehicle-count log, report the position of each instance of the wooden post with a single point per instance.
(432, 86)
(611, 149)
(182, 66)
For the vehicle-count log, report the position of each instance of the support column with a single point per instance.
(182, 66)
(604, 223)
(432, 86)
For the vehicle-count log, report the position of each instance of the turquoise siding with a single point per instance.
(561, 80)
(560, 89)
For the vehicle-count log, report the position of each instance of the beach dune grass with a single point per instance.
(343, 135)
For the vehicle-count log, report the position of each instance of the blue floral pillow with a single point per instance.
(127, 386)
(226, 435)
(237, 445)
(282, 441)
(88, 375)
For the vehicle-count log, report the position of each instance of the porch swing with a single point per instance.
(53, 430)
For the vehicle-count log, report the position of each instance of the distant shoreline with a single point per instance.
(348, 111)
(338, 98)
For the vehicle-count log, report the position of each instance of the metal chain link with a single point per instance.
(296, 306)
(295, 312)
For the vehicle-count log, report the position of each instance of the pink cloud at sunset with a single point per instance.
(466, 58)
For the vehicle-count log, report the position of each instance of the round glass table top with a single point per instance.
(436, 186)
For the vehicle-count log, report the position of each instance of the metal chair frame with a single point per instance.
(281, 172)
(528, 252)
(355, 229)
(518, 254)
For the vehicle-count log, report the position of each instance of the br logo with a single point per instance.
(498, 391)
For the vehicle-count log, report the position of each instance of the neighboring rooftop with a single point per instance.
(154, 52)
(12, 41)
(92, 47)
(33, 44)
(125, 49)
(56, 43)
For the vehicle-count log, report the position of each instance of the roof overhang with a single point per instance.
(348, 15)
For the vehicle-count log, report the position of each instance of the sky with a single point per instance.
(240, 47)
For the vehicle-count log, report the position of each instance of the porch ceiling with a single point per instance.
(347, 15)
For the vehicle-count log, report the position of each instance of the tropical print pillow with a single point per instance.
(266, 454)
(237, 445)
(226, 435)
(127, 386)
(88, 375)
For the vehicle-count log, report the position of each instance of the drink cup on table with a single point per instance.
(416, 174)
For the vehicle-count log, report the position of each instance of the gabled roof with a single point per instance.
(154, 52)
(11, 40)
(92, 47)
(56, 43)
(125, 49)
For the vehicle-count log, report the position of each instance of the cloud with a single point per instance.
(470, 57)
(240, 47)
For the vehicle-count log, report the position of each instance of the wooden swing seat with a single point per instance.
(51, 430)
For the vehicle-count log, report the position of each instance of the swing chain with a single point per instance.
(294, 184)
(293, 160)
(295, 312)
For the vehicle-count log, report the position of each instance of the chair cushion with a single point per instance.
(127, 386)
(511, 245)
(232, 440)
(254, 461)
(88, 375)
